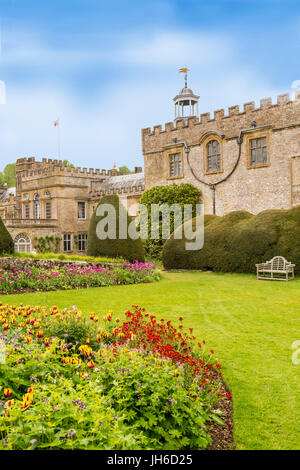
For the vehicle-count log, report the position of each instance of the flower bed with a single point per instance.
(137, 384)
(73, 257)
(76, 277)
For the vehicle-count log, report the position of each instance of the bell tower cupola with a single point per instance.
(186, 103)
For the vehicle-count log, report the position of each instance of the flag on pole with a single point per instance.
(56, 124)
(183, 70)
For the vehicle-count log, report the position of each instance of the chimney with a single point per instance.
(138, 169)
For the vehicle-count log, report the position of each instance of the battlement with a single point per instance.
(222, 117)
(30, 167)
(127, 191)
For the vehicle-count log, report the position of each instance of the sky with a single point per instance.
(107, 69)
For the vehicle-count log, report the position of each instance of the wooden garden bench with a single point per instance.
(277, 269)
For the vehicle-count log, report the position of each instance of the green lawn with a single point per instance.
(250, 324)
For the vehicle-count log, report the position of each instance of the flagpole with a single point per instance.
(58, 138)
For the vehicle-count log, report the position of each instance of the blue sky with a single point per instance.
(109, 68)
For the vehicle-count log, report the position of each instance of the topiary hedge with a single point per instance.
(181, 194)
(239, 240)
(129, 249)
(6, 242)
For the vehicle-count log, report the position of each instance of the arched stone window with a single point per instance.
(22, 243)
(212, 144)
(213, 156)
(37, 206)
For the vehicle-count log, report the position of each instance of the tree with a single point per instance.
(67, 164)
(9, 175)
(114, 247)
(124, 169)
(182, 194)
(6, 242)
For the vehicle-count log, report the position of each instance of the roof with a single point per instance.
(5, 192)
(186, 91)
(123, 181)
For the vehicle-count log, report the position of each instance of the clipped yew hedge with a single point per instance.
(6, 242)
(131, 250)
(182, 194)
(239, 240)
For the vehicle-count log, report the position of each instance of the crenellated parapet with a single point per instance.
(283, 113)
(126, 191)
(30, 168)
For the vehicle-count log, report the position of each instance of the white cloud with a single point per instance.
(107, 128)
(175, 48)
(165, 49)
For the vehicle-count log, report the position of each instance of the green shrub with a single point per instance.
(70, 329)
(239, 240)
(6, 242)
(129, 249)
(89, 259)
(182, 194)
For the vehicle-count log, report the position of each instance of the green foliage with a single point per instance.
(6, 242)
(47, 244)
(129, 249)
(124, 169)
(9, 175)
(67, 164)
(71, 330)
(95, 396)
(76, 277)
(88, 259)
(239, 240)
(172, 194)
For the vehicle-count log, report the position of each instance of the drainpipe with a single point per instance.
(214, 185)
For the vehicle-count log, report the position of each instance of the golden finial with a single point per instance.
(185, 71)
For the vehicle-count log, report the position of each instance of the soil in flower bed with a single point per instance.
(222, 435)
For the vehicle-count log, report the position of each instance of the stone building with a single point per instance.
(54, 203)
(241, 160)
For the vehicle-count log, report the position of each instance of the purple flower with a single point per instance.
(5, 442)
(70, 434)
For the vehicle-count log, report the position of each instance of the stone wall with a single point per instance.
(274, 185)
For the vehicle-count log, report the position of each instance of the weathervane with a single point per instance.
(185, 71)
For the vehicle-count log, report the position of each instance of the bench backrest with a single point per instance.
(278, 262)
